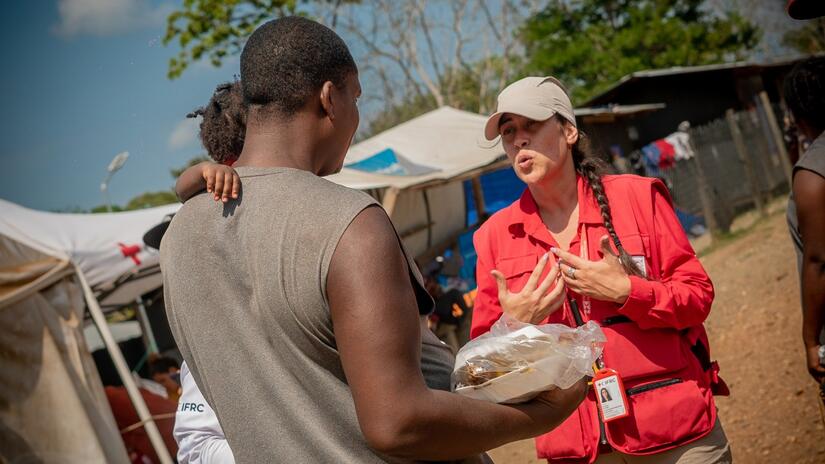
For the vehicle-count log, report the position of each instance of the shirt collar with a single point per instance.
(526, 214)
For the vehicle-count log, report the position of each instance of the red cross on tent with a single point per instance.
(130, 251)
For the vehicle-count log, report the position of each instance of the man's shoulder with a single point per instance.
(814, 157)
(193, 209)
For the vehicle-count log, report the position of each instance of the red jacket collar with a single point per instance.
(525, 214)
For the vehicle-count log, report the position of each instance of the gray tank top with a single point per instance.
(245, 290)
(812, 160)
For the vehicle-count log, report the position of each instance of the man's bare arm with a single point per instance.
(377, 332)
(809, 194)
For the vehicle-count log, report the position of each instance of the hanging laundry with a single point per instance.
(651, 159)
(681, 144)
(667, 154)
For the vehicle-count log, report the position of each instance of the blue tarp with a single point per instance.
(388, 162)
(500, 188)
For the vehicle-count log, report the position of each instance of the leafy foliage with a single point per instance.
(151, 199)
(808, 39)
(590, 44)
(215, 29)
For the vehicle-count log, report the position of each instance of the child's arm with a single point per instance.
(220, 180)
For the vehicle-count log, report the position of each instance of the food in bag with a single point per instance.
(515, 361)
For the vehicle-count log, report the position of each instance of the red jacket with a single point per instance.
(655, 341)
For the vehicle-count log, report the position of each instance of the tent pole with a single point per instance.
(145, 326)
(390, 198)
(123, 371)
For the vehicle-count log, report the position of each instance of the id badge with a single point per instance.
(610, 395)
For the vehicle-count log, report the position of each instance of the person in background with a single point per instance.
(452, 315)
(625, 263)
(805, 96)
(166, 371)
(199, 436)
(134, 435)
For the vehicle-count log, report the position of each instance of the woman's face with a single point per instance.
(537, 150)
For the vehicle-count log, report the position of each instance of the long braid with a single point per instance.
(591, 167)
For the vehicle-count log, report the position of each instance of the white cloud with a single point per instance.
(185, 134)
(107, 17)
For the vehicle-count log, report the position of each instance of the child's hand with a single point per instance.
(222, 181)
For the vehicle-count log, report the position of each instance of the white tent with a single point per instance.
(445, 147)
(48, 265)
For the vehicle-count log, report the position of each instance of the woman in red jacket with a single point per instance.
(625, 262)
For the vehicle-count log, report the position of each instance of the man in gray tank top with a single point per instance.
(805, 96)
(295, 306)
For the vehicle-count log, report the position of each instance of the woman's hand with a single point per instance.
(604, 280)
(535, 301)
(221, 180)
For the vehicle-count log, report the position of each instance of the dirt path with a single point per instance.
(754, 328)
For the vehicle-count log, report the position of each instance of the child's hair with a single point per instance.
(805, 91)
(224, 123)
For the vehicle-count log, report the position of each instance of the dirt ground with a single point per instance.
(772, 414)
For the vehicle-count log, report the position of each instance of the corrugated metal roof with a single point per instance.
(618, 110)
(653, 73)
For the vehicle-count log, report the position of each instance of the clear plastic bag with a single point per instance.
(516, 361)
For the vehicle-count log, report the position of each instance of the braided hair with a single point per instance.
(805, 91)
(591, 167)
(224, 123)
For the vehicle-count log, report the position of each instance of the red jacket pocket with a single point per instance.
(517, 270)
(635, 353)
(567, 441)
(664, 414)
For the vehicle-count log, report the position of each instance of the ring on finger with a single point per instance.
(571, 272)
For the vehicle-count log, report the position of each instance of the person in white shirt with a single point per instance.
(197, 431)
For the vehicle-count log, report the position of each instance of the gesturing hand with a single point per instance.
(535, 301)
(604, 280)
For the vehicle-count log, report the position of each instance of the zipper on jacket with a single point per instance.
(611, 320)
(652, 386)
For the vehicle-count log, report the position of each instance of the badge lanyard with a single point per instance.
(607, 383)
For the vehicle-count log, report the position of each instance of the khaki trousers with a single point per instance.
(710, 449)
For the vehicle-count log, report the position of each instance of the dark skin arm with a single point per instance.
(220, 180)
(809, 194)
(378, 336)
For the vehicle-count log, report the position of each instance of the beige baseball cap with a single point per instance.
(537, 98)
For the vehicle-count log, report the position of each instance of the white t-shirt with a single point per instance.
(197, 431)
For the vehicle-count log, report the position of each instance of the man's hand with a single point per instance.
(566, 400)
(535, 301)
(815, 368)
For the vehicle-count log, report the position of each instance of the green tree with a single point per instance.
(591, 44)
(808, 39)
(215, 29)
(151, 199)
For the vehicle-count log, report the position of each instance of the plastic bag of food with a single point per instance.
(516, 361)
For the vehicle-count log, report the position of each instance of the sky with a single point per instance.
(83, 81)
(86, 79)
